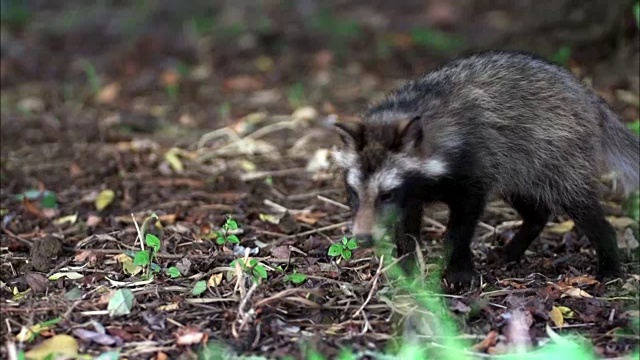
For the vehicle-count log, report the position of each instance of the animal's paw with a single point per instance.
(458, 279)
(606, 273)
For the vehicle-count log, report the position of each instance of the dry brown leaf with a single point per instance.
(37, 282)
(310, 218)
(75, 170)
(104, 299)
(581, 280)
(169, 77)
(487, 342)
(243, 83)
(556, 316)
(514, 284)
(108, 93)
(93, 220)
(280, 252)
(190, 336)
(32, 208)
(162, 356)
(85, 255)
(575, 293)
(402, 41)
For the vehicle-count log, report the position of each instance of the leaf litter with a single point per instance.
(144, 150)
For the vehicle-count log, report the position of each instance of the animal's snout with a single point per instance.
(364, 240)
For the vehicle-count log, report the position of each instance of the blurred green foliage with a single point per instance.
(14, 13)
(437, 40)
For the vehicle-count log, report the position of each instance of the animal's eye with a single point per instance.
(386, 196)
(351, 193)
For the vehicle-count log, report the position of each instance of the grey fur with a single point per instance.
(536, 130)
(512, 125)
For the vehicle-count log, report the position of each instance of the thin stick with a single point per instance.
(264, 174)
(332, 202)
(373, 287)
(324, 228)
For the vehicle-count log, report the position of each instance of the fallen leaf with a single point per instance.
(72, 275)
(187, 120)
(621, 222)
(184, 265)
(562, 227)
(59, 344)
(37, 282)
(28, 334)
(189, 336)
(274, 219)
(96, 337)
(567, 313)
(71, 219)
(402, 41)
(280, 252)
(319, 161)
(214, 280)
(109, 355)
(628, 97)
(93, 220)
(310, 218)
(75, 170)
(169, 307)
(459, 306)
(243, 83)
(74, 294)
(108, 93)
(199, 287)
(105, 197)
(169, 77)
(130, 268)
(264, 63)
(121, 302)
(556, 316)
(306, 113)
(628, 240)
(581, 280)
(32, 208)
(31, 104)
(489, 341)
(576, 293)
(174, 160)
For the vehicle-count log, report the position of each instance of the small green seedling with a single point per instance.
(223, 236)
(343, 248)
(251, 267)
(296, 278)
(144, 258)
(199, 287)
(173, 272)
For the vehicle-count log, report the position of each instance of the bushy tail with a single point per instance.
(621, 148)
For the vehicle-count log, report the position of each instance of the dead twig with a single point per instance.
(373, 287)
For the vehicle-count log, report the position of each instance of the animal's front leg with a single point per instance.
(465, 211)
(407, 232)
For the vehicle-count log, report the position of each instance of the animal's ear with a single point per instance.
(409, 134)
(351, 133)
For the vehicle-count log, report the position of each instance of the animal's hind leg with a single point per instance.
(590, 220)
(534, 217)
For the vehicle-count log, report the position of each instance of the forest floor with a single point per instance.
(100, 133)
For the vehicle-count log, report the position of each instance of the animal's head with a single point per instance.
(383, 160)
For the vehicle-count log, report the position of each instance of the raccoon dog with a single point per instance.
(493, 123)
